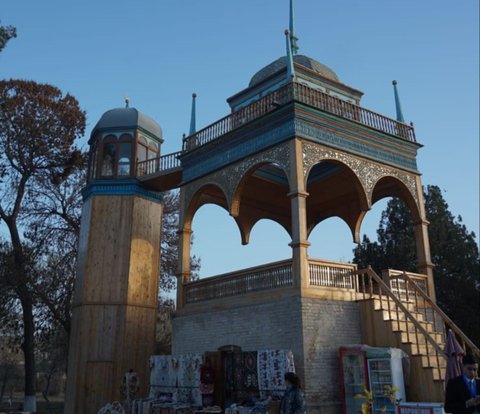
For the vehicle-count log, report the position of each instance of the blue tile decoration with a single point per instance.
(119, 187)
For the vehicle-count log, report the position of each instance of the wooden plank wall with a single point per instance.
(115, 305)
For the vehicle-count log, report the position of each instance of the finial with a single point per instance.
(127, 101)
(293, 37)
(290, 67)
(193, 127)
(397, 102)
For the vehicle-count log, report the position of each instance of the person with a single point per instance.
(293, 401)
(462, 395)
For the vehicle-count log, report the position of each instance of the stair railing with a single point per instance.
(467, 345)
(369, 284)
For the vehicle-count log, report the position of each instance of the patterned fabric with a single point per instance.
(272, 366)
(233, 377)
(250, 372)
(113, 408)
(188, 379)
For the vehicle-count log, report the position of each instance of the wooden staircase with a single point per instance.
(396, 311)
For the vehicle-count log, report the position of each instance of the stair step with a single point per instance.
(383, 304)
(399, 315)
(419, 338)
(399, 325)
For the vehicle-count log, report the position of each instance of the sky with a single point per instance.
(158, 52)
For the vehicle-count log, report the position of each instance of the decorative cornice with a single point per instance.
(357, 147)
(119, 187)
(244, 148)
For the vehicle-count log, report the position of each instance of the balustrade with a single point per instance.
(304, 94)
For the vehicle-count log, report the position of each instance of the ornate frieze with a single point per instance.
(368, 172)
(403, 158)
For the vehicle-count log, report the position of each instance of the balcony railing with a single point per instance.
(273, 275)
(270, 276)
(396, 281)
(163, 163)
(294, 91)
(330, 274)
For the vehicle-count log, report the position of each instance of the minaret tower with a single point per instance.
(116, 290)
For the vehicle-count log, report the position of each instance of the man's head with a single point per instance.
(470, 366)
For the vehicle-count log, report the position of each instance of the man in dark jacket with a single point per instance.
(462, 395)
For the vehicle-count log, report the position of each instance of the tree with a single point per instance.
(454, 252)
(6, 33)
(168, 268)
(169, 253)
(38, 128)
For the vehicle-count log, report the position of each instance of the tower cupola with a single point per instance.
(121, 139)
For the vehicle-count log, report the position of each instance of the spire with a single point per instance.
(290, 67)
(193, 127)
(293, 37)
(397, 102)
(127, 101)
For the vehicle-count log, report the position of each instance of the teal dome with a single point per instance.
(302, 60)
(127, 118)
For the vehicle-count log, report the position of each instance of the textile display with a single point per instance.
(233, 377)
(272, 366)
(178, 375)
(250, 372)
(113, 408)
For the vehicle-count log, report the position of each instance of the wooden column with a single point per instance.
(183, 270)
(425, 265)
(298, 197)
(116, 299)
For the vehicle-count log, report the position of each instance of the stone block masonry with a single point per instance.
(313, 329)
(273, 325)
(327, 325)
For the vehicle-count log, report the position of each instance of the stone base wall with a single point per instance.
(313, 329)
(272, 325)
(327, 325)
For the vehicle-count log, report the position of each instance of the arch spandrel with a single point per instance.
(368, 172)
(229, 178)
(194, 201)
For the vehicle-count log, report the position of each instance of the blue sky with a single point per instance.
(158, 52)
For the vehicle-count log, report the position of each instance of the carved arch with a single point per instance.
(236, 197)
(207, 193)
(340, 194)
(368, 172)
(392, 186)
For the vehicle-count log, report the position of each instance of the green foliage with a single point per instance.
(6, 33)
(454, 253)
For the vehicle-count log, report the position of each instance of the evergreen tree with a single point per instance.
(454, 254)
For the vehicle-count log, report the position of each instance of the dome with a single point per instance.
(128, 118)
(280, 63)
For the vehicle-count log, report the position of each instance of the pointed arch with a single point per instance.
(261, 166)
(261, 193)
(208, 193)
(390, 186)
(335, 190)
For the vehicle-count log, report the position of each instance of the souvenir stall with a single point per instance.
(229, 380)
